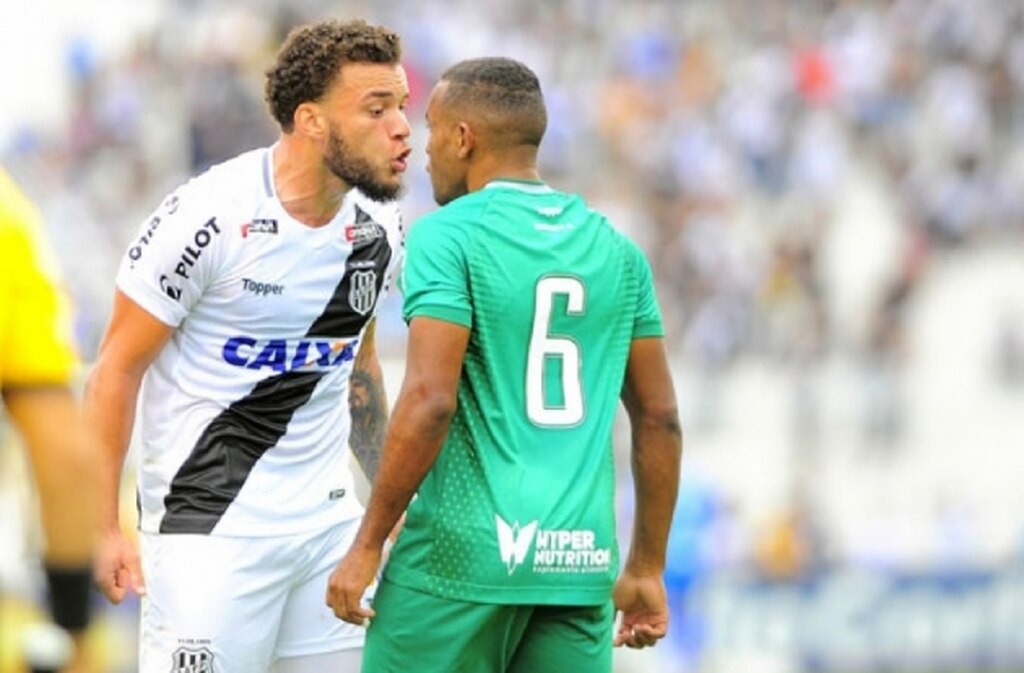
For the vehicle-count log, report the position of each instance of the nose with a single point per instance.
(402, 128)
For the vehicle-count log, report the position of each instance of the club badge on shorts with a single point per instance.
(192, 661)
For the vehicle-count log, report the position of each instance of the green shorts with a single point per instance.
(418, 632)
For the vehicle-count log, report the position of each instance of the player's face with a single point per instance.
(367, 144)
(447, 169)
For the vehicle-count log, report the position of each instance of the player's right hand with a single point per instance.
(118, 569)
(348, 583)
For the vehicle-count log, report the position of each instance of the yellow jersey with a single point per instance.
(36, 346)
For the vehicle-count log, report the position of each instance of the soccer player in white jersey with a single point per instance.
(243, 316)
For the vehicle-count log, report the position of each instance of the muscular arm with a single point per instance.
(414, 438)
(132, 341)
(422, 413)
(657, 449)
(368, 405)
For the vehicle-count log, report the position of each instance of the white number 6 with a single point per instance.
(543, 346)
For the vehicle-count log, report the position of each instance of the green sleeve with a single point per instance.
(435, 279)
(647, 319)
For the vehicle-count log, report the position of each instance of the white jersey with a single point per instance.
(244, 415)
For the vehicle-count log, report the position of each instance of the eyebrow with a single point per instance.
(382, 95)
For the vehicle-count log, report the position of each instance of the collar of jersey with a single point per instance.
(532, 186)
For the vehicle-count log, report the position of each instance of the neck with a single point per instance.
(307, 189)
(515, 164)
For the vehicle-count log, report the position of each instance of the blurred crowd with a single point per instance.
(724, 135)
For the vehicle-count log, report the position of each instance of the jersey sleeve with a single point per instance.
(647, 321)
(172, 259)
(435, 279)
(396, 234)
(36, 343)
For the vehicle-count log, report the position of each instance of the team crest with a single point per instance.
(192, 661)
(362, 292)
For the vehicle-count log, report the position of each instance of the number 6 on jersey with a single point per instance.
(544, 346)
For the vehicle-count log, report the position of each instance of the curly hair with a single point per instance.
(505, 91)
(312, 56)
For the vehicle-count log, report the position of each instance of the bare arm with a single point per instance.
(415, 435)
(132, 341)
(423, 411)
(368, 405)
(656, 453)
(65, 463)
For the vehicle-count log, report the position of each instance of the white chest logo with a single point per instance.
(362, 293)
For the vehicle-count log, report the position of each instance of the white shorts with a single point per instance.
(236, 605)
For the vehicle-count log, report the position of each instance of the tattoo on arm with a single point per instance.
(369, 411)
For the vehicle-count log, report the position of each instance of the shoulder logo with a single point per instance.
(185, 660)
(259, 226)
(363, 230)
(514, 542)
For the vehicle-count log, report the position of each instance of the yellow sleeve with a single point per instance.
(36, 345)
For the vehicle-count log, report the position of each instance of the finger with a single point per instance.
(651, 631)
(113, 593)
(112, 588)
(643, 637)
(135, 576)
(357, 615)
(346, 605)
(624, 636)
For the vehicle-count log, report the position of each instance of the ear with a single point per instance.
(310, 121)
(466, 140)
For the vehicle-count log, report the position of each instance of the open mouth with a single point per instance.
(401, 162)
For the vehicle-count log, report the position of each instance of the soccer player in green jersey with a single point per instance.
(530, 317)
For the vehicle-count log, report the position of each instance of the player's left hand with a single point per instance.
(348, 583)
(644, 606)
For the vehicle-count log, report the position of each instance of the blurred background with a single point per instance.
(831, 193)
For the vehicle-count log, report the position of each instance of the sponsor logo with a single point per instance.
(260, 226)
(514, 542)
(170, 206)
(554, 551)
(284, 355)
(363, 230)
(260, 288)
(362, 292)
(192, 252)
(135, 252)
(569, 551)
(172, 291)
(201, 238)
(186, 660)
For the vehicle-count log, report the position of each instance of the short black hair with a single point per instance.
(311, 58)
(505, 92)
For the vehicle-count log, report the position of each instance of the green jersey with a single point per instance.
(520, 505)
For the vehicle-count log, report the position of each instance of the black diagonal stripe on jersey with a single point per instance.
(213, 474)
(339, 318)
(226, 452)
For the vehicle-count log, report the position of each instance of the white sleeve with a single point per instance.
(392, 217)
(170, 263)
